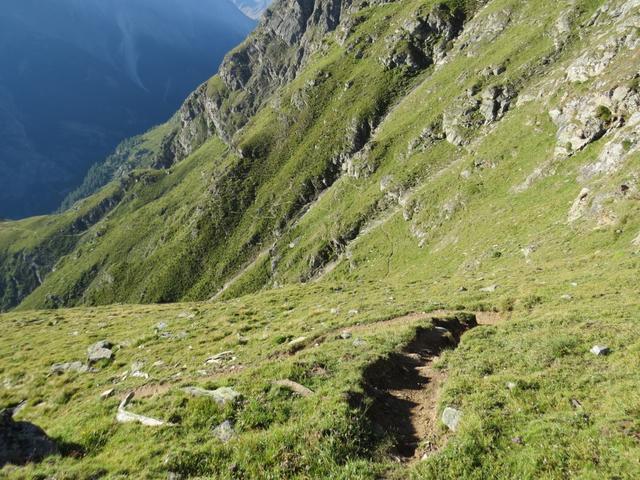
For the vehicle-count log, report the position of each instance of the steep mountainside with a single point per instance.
(80, 76)
(354, 164)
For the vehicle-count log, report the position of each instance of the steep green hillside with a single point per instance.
(353, 165)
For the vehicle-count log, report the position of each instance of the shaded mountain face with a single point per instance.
(77, 77)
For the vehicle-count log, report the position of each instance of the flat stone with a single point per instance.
(297, 341)
(77, 367)
(451, 418)
(489, 289)
(294, 387)
(220, 357)
(221, 396)
(107, 393)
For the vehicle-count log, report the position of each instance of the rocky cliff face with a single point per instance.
(289, 33)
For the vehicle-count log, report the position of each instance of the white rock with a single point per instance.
(124, 416)
(600, 350)
(107, 393)
(221, 396)
(489, 289)
(224, 432)
(451, 418)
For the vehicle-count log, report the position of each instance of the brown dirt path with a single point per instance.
(405, 386)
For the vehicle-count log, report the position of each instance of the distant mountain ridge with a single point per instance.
(77, 77)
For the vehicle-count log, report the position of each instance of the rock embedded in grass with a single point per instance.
(100, 351)
(107, 393)
(600, 350)
(451, 418)
(489, 289)
(77, 367)
(221, 396)
(225, 431)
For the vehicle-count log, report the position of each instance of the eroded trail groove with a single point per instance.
(405, 385)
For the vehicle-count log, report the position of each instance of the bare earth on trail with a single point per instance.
(406, 385)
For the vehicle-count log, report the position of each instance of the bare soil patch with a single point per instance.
(404, 387)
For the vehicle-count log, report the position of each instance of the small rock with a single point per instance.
(566, 297)
(137, 366)
(575, 403)
(511, 385)
(297, 343)
(224, 432)
(221, 396)
(600, 350)
(517, 440)
(100, 351)
(345, 335)
(161, 326)
(294, 387)
(489, 289)
(358, 342)
(353, 312)
(107, 393)
(220, 357)
(451, 418)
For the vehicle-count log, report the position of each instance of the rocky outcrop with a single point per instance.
(289, 33)
(583, 120)
(475, 109)
(422, 40)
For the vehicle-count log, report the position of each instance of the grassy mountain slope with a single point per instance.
(477, 156)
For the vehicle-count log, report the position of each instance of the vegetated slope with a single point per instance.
(396, 157)
(78, 77)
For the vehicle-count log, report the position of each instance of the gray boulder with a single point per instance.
(100, 351)
(77, 367)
